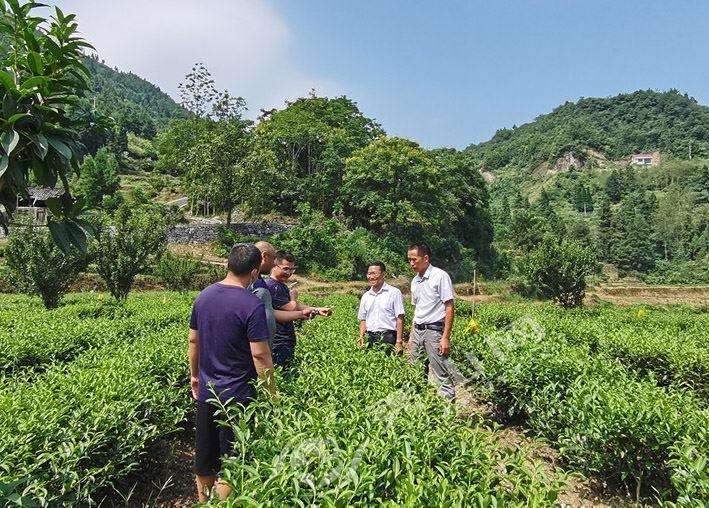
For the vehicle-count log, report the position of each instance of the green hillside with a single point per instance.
(138, 105)
(566, 175)
(617, 126)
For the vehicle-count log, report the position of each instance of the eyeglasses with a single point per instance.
(288, 269)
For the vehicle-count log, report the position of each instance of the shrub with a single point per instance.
(38, 266)
(326, 248)
(177, 273)
(227, 238)
(559, 270)
(124, 248)
(679, 272)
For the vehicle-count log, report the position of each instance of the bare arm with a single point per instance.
(261, 354)
(399, 332)
(287, 316)
(193, 353)
(447, 327)
(292, 305)
(362, 331)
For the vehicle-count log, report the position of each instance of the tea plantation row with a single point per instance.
(621, 394)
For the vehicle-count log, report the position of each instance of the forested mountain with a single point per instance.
(138, 105)
(567, 175)
(616, 127)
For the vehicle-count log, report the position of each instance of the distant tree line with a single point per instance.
(648, 222)
(324, 153)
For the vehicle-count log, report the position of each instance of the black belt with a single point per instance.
(438, 327)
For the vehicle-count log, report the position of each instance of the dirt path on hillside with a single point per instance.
(634, 294)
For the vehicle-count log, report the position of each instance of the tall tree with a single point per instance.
(468, 222)
(633, 249)
(311, 139)
(393, 188)
(40, 78)
(673, 223)
(98, 177)
(614, 189)
(604, 230)
(210, 149)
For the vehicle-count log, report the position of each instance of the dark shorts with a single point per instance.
(283, 355)
(212, 440)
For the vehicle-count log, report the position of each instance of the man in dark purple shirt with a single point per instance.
(228, 351)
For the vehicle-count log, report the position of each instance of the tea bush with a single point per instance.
(607, 417)
(372, 432)
(87, 387)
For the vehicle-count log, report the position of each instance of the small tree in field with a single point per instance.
(39, 267)
(124, 248)
(559, 270)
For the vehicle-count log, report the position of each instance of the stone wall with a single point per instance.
(207, 233)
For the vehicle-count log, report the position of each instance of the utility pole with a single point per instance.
(690, 149)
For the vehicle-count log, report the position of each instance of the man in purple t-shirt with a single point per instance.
(228, 351)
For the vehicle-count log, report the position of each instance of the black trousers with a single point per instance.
(386, 338)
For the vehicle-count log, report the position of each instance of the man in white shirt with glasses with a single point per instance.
(381, 312)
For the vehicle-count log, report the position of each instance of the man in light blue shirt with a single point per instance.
(381, 311)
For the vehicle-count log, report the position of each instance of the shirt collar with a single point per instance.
(385, 287)
(425, 275)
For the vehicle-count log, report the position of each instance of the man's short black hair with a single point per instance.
(243, 257)
(422, 248)
(379, 264)
(284, 255)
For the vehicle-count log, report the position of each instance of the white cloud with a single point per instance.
(245, 44)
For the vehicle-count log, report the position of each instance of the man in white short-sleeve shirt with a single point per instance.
(432, 296)
(381, 311)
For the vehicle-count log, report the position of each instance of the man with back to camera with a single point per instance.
(381, 311)
(260, 289)
(286, 299)
(228, 350)
(432, 296)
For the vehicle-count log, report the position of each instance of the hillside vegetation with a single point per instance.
(616, 126)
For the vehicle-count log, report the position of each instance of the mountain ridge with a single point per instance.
(611, 127)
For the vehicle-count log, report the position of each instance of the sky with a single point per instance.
(440, 72)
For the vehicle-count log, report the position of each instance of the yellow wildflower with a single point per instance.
(473, 326)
